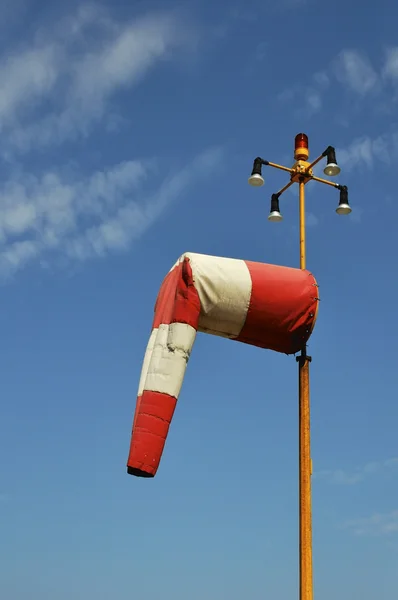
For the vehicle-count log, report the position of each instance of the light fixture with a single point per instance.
(301, 151)
(256, 179)
(332, 168)
(274, 214)
(343, 208)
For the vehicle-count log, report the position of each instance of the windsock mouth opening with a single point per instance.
(139, 472)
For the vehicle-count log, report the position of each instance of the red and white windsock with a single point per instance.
(264, 305)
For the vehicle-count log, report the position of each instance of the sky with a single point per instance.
(127, 134)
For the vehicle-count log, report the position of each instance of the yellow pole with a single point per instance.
(305, 466)
(302, 225)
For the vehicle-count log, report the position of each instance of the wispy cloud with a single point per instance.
(308, 97)
(390, 69)
(25, 77)
(76, 80)
(311, 220)
(354, 70)
(58, 88)
(53, 214)
(376, 524)
(366, 151)
(341, 477)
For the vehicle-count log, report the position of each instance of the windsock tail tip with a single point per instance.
(139, 472)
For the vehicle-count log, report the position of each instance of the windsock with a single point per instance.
(264, 305)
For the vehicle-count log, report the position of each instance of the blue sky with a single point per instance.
(128, 132)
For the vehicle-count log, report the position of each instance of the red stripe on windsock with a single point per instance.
(177, 302)
(282, 310)
(149, 433)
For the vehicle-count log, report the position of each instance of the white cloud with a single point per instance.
(105, 212)
(78, 79)
(376, 524)
(28, 76)
(366, 151)
(311, 220)
(58, 87)
(132, 220)
(24, 78)
(321, 79)
(308, 96)
(351, 68)
(390, 69)
(261, 51)
(341, 477)
(313, 100)
(354, 70)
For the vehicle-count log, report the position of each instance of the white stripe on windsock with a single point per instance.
(171, 351)
(224, 287)
(147, 360)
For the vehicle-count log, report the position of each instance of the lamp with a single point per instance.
(275, 214)
(332, 168)
(256, 179)
(343, 208)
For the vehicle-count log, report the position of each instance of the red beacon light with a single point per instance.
(301, 151)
